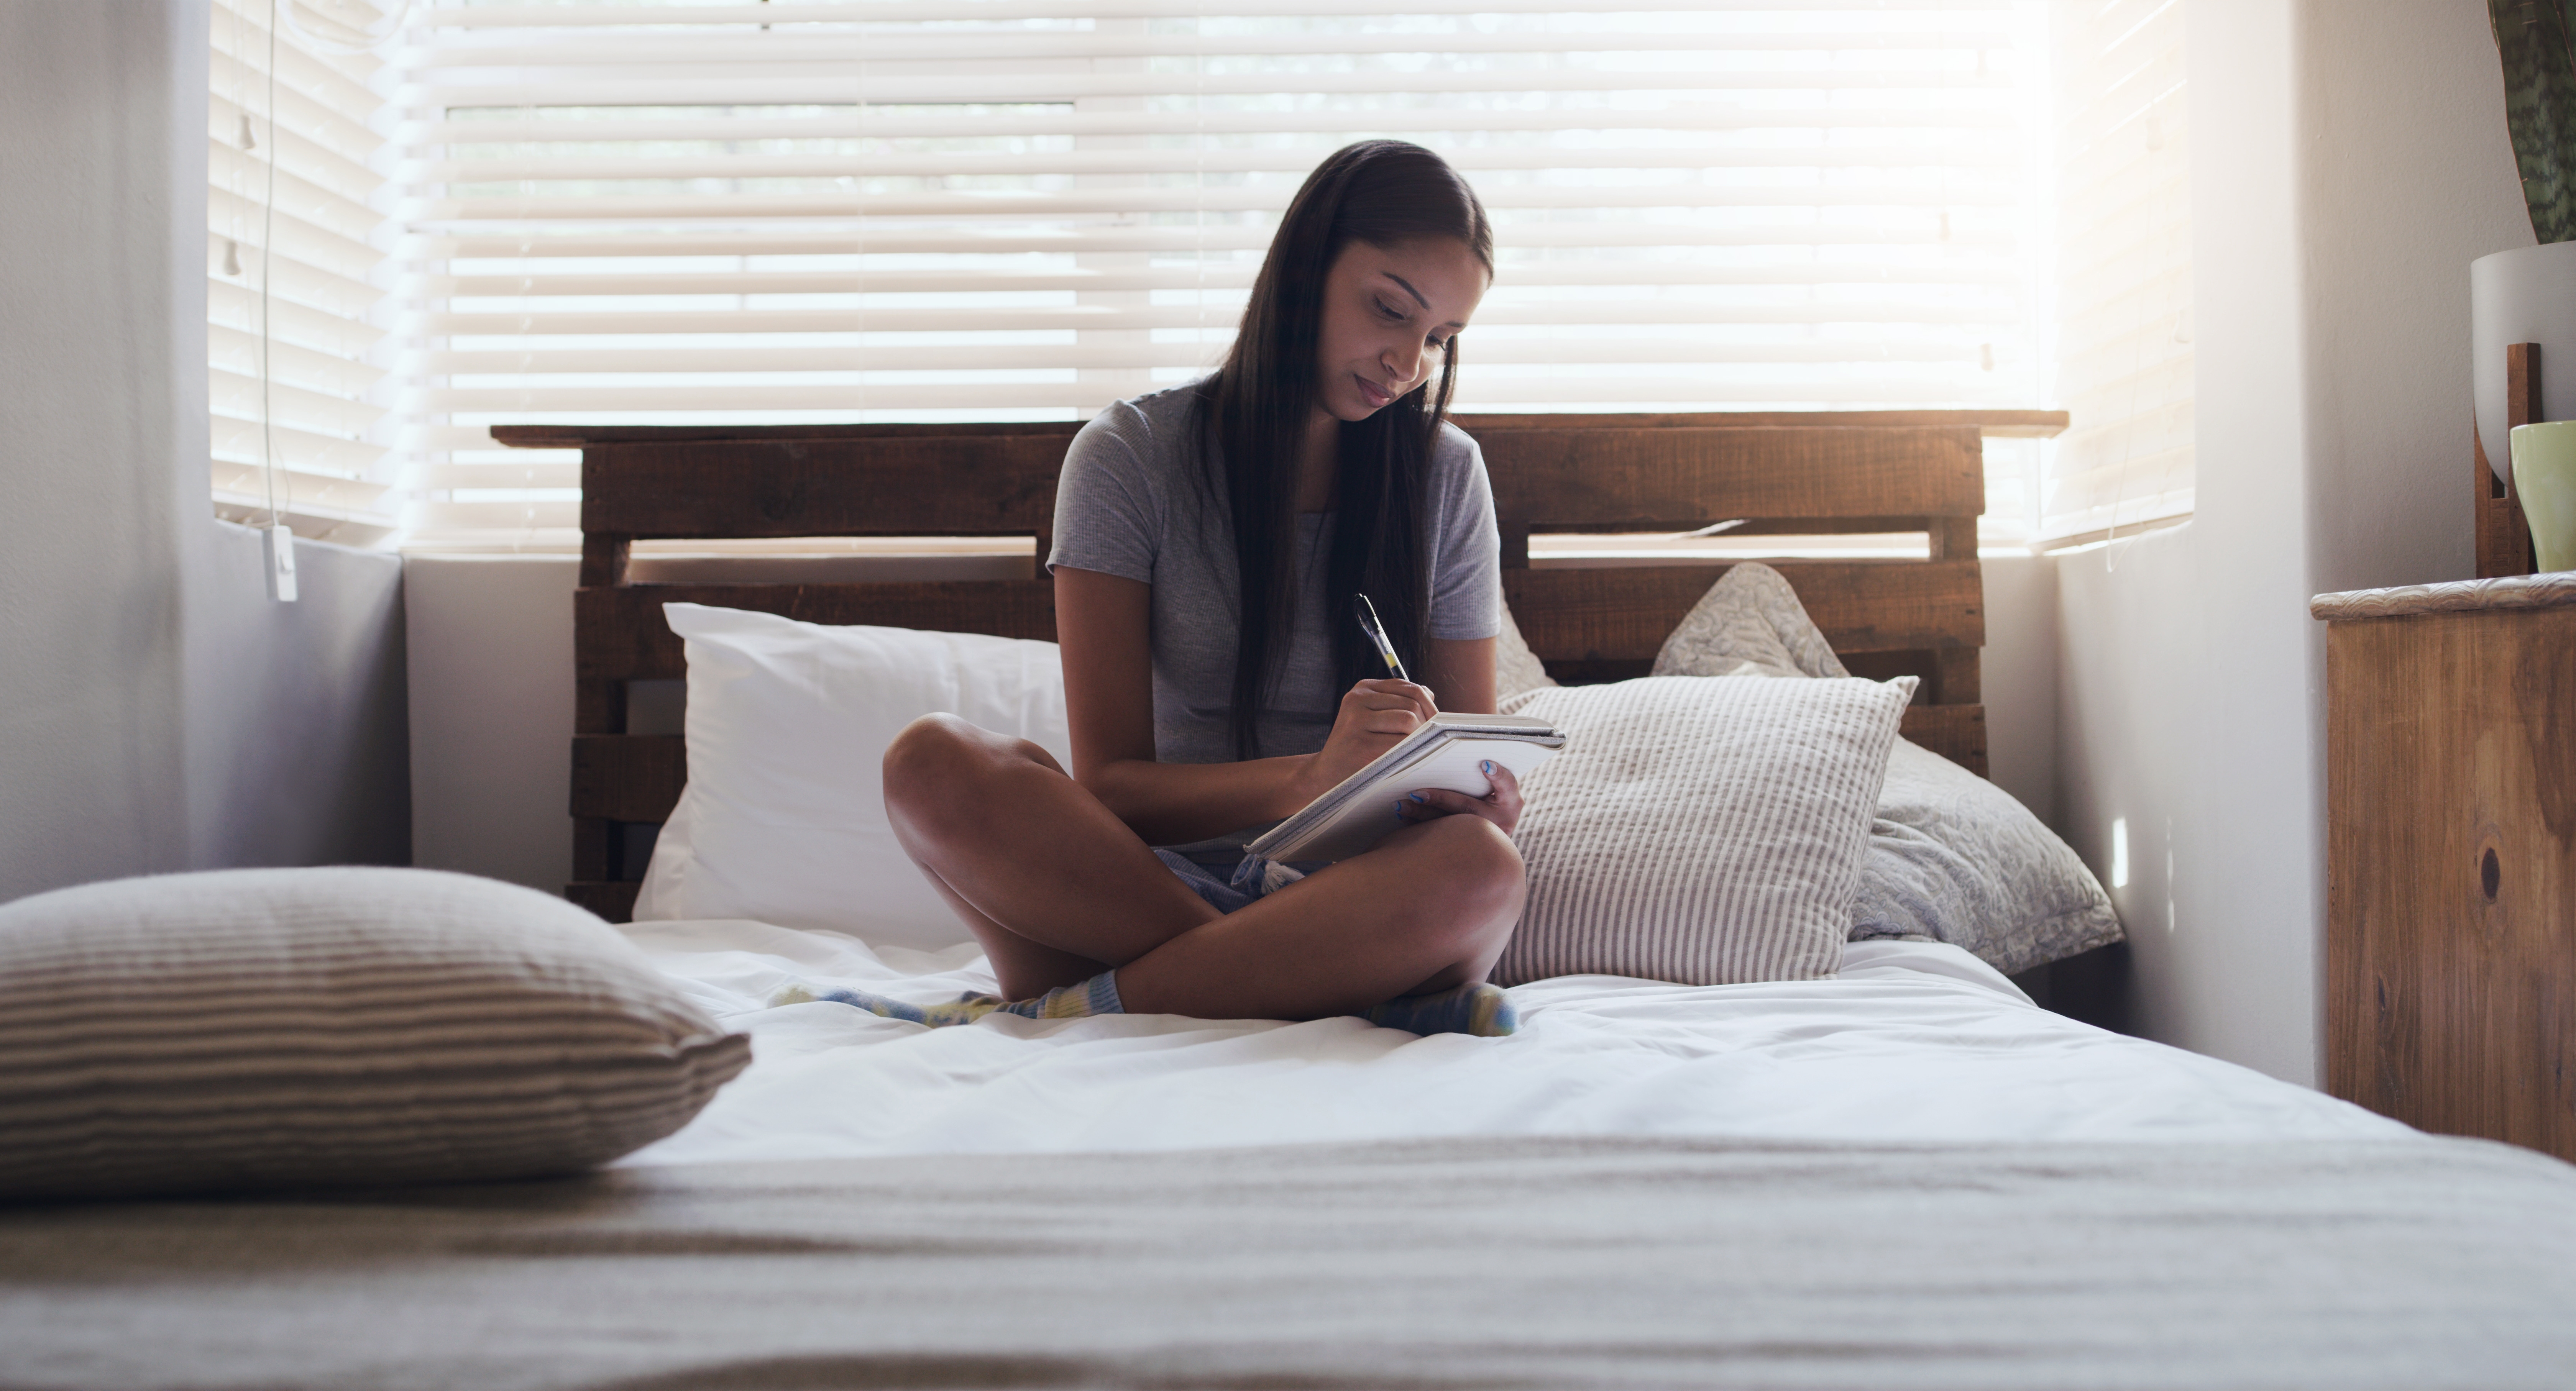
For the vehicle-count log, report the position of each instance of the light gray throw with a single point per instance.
(1452, 1263)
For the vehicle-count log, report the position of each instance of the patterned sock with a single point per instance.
(1482, 1010)
(1098, 995)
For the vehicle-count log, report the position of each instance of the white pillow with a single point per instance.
(1700, 832)
(270, 1028)
(783, 819)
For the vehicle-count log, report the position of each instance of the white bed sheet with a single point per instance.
(1911, 1042)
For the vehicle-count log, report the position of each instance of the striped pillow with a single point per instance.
(289, 1027)
(1696, 831)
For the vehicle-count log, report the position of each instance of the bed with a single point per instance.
(1902, 1175)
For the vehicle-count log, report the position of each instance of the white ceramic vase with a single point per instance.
(2527, 295)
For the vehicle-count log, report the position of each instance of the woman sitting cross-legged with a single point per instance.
(1208, 540)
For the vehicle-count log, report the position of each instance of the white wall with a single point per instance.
(2349, 162)
(156, 712)
(491, 716)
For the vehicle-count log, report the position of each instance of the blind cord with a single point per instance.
(267, 256)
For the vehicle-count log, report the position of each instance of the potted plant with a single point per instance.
(2528, 295)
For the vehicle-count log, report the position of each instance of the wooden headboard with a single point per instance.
(1804, 473)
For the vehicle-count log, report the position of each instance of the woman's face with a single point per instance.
(1387, 311)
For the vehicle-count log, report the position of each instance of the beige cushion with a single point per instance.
(1701, 832)
(287, 1027)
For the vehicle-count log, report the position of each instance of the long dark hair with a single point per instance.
(1256, 408)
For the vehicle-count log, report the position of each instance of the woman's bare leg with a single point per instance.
(1429, 908)
(1050, 881)
(1055, 886)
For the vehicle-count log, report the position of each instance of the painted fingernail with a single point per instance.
(1399, 809)
(1419, 797)
(1489, 767)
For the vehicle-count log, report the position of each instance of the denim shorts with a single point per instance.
(1231, 885)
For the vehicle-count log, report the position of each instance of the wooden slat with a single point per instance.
(1653, 479)
(1956, 732)
(604, 558)
(594, 844)
(1958, 677)
(1949, 538)
(1624, 614)
(578, 436)
(598, 707)
(1811, 478)
(620, 634)
(628, 777)
(943, 485)
(613, 901)
(1991, 424)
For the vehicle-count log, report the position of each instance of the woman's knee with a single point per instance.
(940, 768)
(1472, 878)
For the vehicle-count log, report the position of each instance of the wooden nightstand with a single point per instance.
(2451, 855)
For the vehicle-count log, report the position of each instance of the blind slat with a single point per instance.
(915, 11)
(1548, 350)
(843, 119)
(309, 202)
(882, 52)
(1226, 276)
(233, 306)
(1498, 198)
(239, 217)
(297, 148)
(238, 441)
(808, 239)
(1661, 310)
(1894, 159)
(681, 89)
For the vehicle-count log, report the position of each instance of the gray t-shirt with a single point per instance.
(1131, 502)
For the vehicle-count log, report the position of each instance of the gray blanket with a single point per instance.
(1510, 1263)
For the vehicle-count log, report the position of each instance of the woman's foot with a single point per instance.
(1482, 1010)
(1098, 995)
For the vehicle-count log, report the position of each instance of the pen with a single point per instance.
(1366, 612)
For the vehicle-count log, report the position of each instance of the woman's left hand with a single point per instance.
(1502, 806)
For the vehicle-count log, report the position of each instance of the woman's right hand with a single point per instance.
(1373, 717)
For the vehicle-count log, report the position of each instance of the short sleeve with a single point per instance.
(1466, 564)
(1106, 516)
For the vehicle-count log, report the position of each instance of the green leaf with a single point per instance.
(2540, 107)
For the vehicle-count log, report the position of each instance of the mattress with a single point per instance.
(1912, 1042)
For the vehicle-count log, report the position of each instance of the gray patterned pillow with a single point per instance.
(1952, 857)
(1749, 623)
(1955, 858)
(276, 1028)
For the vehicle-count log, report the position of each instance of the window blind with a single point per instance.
(1026, 209)
(2124, 356)
(333, 474)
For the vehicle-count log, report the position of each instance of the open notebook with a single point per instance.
(1445, 752)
